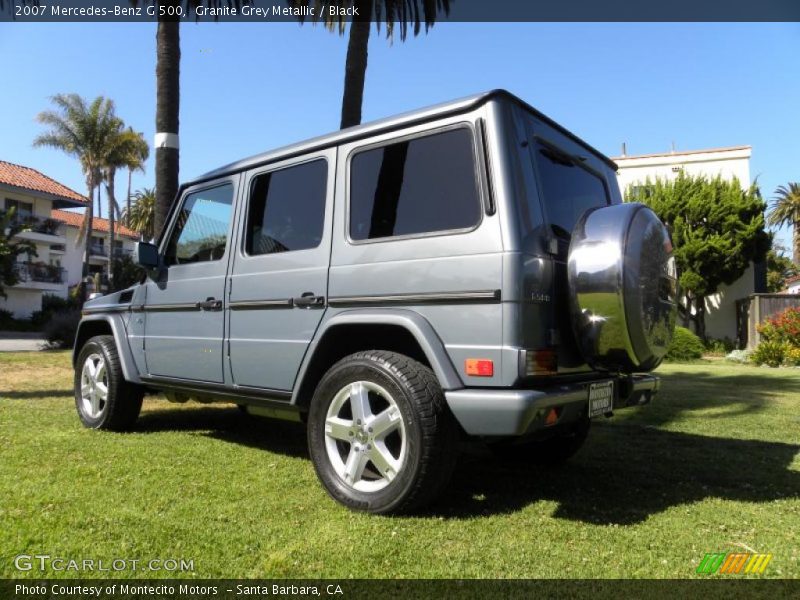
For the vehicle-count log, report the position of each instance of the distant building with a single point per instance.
(728, 163)
(124, 244)
(792, 285)
(34, 195)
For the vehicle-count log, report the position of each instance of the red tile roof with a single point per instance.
(74, 219)
(31, 179)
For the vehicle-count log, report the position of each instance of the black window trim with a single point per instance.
(272, 168)
(231, 181)
(480, 183)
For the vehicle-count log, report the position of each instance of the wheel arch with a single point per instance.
(95, 325)
(403, 331)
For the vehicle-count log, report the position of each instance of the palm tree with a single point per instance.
(141, 215)
(82, 130)
(168, 65)
(786, 211)
(122, 149)
(140, 152)
(400, 13)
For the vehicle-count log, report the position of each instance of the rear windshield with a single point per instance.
(567, 188)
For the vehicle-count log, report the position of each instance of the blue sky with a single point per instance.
(249, 87)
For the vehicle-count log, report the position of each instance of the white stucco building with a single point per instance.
(33, 196)
(72, 261)
(728, 163)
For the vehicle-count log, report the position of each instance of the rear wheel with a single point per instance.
(380, 434)
(102, 396)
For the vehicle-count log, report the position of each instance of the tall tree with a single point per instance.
(135, 161)
(398, 14)
(168, 66)
(121, 147)
(785, 210)
(717, 230)
(141, 215)
(82, 130)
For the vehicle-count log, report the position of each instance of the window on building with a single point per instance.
(23, 210)
(201, 231)
(413, 187)
(287, 209)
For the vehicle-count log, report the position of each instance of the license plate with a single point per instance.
(601, 398)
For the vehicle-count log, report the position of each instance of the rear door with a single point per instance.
(184, 320)
(279, 277)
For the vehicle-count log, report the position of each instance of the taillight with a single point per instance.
(541, 362)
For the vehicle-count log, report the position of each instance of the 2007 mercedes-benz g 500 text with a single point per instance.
(463, 270)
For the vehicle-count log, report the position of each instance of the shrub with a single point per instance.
(770, 353)
(783, 327)
(685, 345)
(792, 357)
(60, 330)
(50, 305)
(720, 347)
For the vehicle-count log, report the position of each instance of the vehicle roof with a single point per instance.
(372, 128)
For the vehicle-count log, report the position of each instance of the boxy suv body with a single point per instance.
(463, 270)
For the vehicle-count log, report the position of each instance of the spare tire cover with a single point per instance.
(622, 287)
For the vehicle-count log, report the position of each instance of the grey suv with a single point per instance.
(466, 270)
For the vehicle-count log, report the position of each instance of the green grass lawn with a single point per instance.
(713, 465)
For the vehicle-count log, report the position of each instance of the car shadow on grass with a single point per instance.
(229, 425)
(629, 469)
(36, 394)
(624, 474)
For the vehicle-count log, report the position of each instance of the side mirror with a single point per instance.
(147, 255)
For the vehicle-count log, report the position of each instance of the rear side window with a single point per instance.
(568, 188)
(287, 209)
(414, 187)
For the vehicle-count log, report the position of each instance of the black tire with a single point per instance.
(120, 409)
(428, 427)
(551, 452)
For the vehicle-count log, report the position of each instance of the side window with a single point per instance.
(201, 231)
(568, 188)
(417, 186)
(287, 209)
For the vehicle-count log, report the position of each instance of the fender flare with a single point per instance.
(411, 321)
(119, 332)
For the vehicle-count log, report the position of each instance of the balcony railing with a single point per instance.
(40, 272)
(102, 250)
(58, 247)
(37, 224)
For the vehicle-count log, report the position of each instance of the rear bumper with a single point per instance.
(493, 412)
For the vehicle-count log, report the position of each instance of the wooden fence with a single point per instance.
(755, 309)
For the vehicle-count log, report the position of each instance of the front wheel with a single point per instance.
(380, 433)
(102, 396)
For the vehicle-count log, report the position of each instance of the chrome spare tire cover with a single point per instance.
(623, 287)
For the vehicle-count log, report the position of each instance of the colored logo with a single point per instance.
(733, 563)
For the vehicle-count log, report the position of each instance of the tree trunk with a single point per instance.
(110, 175)
(700, 317)
(356, 65)
(128, 197)
(168, 53)
(387, 191)
(99, 206)
(88, 237)
(796, 241)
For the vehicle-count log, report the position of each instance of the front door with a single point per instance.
(184, 316)
(279, 277)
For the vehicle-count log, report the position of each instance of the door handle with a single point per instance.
(210, 303)
(308, 299)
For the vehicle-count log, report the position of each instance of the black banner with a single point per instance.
(266, 11)
(349, 589)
